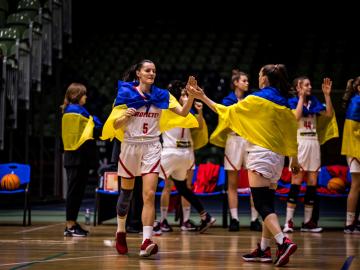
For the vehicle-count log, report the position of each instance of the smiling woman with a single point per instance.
(141, 112)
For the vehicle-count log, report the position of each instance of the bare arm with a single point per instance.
(199, 117)
(122, 120)
(184, 110)
(326, 88)
(299, 108)
(199, 94)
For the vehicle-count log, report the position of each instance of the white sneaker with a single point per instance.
(289, 226)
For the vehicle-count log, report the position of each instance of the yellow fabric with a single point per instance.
(168, 120)
(351, 139)
(219, 135)
(173, 103)
(109, 132)
(200, 136)
(261, 122)
(326, 128)
(76, 129)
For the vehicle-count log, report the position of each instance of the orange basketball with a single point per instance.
(10, 181)
(336, 184)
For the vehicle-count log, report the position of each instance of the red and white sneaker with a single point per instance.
(258, 255)
(148, 248)
(289, 226)
(121, 245)
(284, 251)
(311, 226)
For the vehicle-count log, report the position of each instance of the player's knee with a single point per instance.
(123, 203)
(149, 196)
(293, 193)
(263, 198)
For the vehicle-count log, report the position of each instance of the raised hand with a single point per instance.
(192, 81)
(300, 89)
(326, 86)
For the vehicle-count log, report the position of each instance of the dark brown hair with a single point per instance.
(277, 77)
(235, 76)
(130, 74)
(350, 91)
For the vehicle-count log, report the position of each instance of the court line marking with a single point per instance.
(43, 260)
(38, 228)
(116, 255)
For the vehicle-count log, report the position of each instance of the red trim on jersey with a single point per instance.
(141, 94)
(354, 159)
(163, 171)
(232, 165)
(154, 167)
(182, 132)
(126, 170)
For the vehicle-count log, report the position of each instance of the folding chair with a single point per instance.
(23, 172)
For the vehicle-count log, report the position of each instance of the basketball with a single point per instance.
(10, 181)
(336, 184)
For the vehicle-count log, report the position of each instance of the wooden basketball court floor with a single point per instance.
(42, 246)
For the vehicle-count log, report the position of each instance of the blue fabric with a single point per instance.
(128, 95)
(76, 108)
(230, 99)
(271, 94)
(353, 110)
(315, 106)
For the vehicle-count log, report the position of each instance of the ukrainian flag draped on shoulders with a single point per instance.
(326, 127)
(219, 136)
(77, 126)
(263, 118)
(351, 135)
(199, 135)
(129, 97)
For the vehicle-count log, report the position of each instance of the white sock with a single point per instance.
(254, 214)
(164, 212)
(186, 213)
(350, 218)
(279, 238)
(289, 213)
(307, 214)
(234, 213)
(147, 232)
(265, 242)
(121, 224)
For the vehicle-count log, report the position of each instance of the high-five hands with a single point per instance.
(326, 86)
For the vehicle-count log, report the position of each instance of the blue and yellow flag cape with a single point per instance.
(129, 97)
(77, 126)
(219, 135)
(262, 118)
(200, 136)
(351, 135)
(326, 127)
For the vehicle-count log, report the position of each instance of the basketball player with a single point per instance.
(306, 109)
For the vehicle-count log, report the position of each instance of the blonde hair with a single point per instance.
(73, 94)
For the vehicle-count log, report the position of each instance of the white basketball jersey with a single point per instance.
(178, 138)
(144, 124)
(307, 128)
